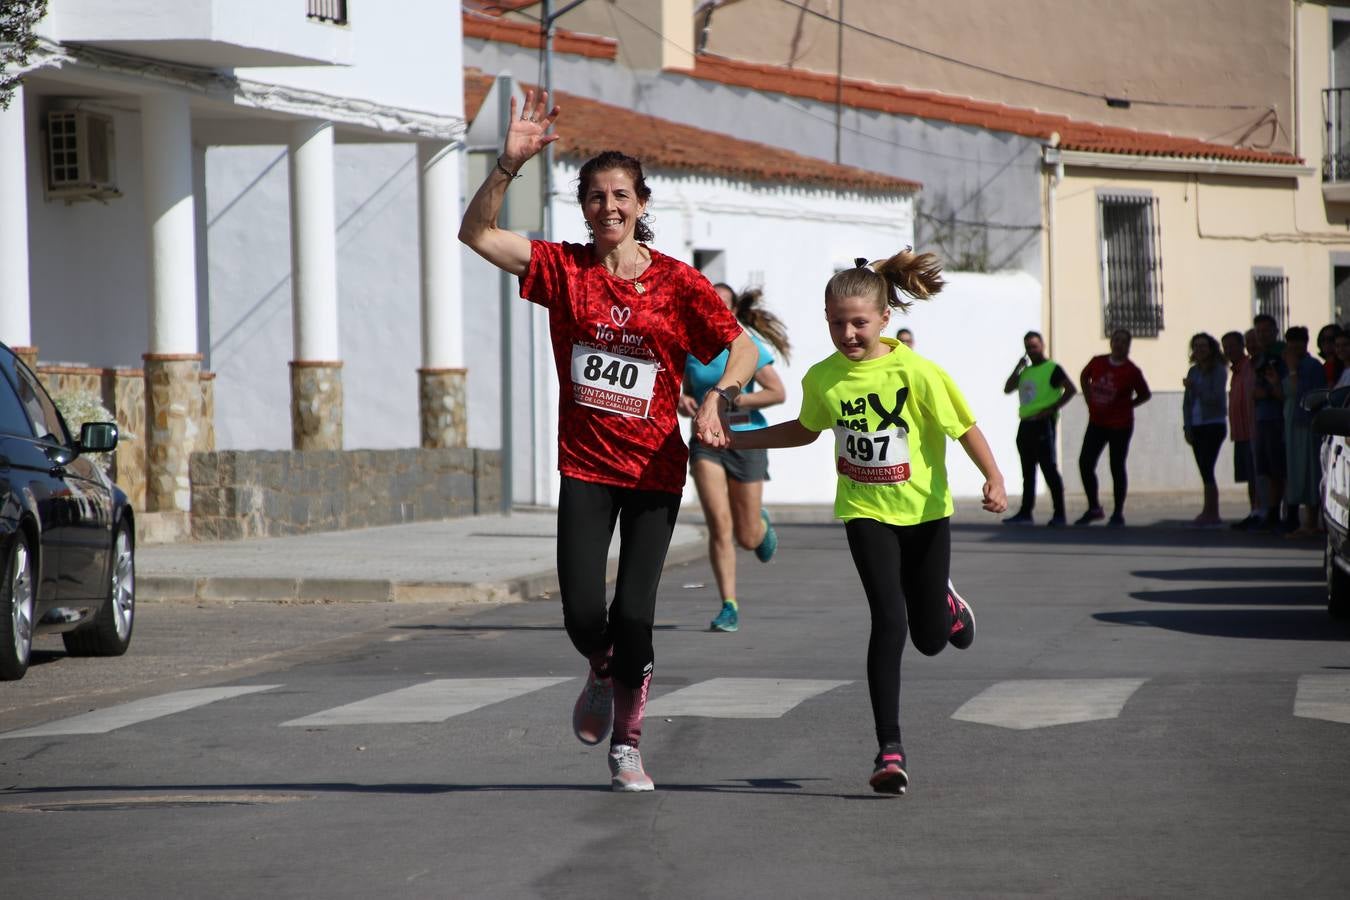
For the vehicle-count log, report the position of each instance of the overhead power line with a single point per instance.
(1080, 92)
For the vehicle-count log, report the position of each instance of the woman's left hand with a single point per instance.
(710, 425)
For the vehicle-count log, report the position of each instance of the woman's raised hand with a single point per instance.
(527, 133)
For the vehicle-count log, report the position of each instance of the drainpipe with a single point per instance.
(1054, 173)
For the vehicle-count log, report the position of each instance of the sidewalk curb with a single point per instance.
(151, 588)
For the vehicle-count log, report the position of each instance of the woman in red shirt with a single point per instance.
(1112, 386)
(623, 318)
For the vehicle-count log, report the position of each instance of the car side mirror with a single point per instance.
(1315, 399)
(1332, 420)
(97, 437)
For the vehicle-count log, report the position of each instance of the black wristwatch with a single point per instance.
(725, 394)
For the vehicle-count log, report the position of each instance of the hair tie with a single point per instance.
(861, 262)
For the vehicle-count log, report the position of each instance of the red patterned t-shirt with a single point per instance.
(1111, 389)
(620, 354)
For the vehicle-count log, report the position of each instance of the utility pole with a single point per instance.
(839, 88)
(546, 21)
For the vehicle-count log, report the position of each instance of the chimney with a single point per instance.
(677, 24)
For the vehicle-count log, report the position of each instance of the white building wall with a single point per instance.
(88, 260)
(378, 294)
(406, 55)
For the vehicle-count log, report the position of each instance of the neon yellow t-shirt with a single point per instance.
(891, 418)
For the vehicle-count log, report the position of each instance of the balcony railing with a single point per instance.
(1336, 146)
(334, 11)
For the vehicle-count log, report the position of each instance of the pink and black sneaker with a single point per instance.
(963, 620)
(888, 772)
(593, 714)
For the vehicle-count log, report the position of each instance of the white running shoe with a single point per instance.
(625, 769)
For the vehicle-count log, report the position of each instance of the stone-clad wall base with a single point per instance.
(316, 405)
(173, 412)
(122, 392)
(255, 493)
(128, 389)
(441, 399)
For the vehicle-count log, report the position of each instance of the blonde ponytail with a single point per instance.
(917, 275)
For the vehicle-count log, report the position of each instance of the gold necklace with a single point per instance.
(637, 285)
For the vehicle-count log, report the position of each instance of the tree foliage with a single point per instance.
(18, 18)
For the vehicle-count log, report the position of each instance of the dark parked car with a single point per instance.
(67, 536)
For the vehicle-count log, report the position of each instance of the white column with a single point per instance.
(15, 319)
(438, 226)
(313, 243)
(166, 139)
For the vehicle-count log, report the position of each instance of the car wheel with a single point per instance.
(1338, 585)
(109, 634)
(16, 610)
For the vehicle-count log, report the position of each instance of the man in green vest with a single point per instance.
(1042, 388)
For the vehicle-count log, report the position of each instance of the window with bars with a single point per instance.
(334, 11)
(1131, 264)
(1270, 295)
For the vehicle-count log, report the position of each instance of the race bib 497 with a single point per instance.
(872, 457)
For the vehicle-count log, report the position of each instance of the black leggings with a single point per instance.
(587, 513)
(1036, 447)
(904, 572)
(1094, 439)
(1206, 442)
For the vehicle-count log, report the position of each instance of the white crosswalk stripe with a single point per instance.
(1323, 697)
(1017, 704)
(740, 698)
(1039, 703)
(430, 701)
(104, 720)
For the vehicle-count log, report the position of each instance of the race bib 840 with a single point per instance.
(614, 383)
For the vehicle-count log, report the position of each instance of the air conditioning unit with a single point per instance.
(81, 155)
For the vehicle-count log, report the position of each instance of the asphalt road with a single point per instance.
(1144, 713)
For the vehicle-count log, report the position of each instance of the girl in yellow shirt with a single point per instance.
(891, 412)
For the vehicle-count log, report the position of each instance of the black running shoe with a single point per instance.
(963, 619)
(888, 771)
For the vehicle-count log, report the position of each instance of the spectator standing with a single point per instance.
(1268, 414)
(1326, 349)
(1204, 412)
(906, 337)
(1343, 354)
(1112, 387)
(1043, 387)
(1240, 422)
(1303, 468)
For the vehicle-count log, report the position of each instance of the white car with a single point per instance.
(1333, 420)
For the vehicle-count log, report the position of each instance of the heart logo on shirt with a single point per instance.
(620, 316)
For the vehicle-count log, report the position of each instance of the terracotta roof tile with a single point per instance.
(498, 7)
(491, 28)
(588, 127)
(476, 87)
(1074, 135)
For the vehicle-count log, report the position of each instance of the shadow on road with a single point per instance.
(1161, 534)
(1265, 624)
(1312, 574)
(1310, 595)
(144, 795)
(471, 628)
